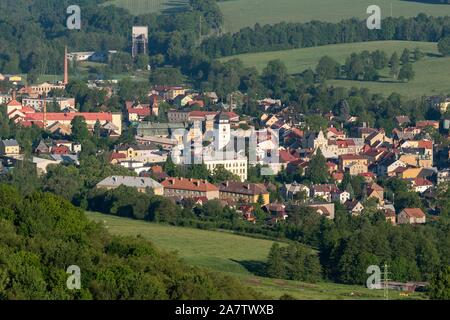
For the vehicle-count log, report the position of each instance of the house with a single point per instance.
(61, 150)
(324, 209)
(248, 213)
(340, 196)
(42, 148)
(146, 153)
(411, 216)
(189, 188)
(354, 207)
(390, 216)
(402, 120)
(141, 184)
(324, 191)
(353, 164)
(292, 189)
(42, 164)
(138, 112)
(276, 210)
(388, 165)
(244, 192)
(9, 147)
(375, 191)
(421, 185)
(333, 133)
(47, 120)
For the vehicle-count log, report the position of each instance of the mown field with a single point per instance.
(138, 7)
(234, 254)
(431, 72)
(244, 13)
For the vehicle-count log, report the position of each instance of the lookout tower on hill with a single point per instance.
(140, 41)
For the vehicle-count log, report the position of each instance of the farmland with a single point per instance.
(431, 72)
(243, 13)
(138, 7)
(237, 255)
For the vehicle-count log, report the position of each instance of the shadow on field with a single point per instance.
(175, 6)
(258, 268)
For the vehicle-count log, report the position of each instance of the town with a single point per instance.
(177, 150)
(348, 153)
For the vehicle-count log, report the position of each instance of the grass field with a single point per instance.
(138, 7)
(233, 254)
(244, 13)
(431, 72)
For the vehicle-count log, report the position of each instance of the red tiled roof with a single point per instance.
(419, 182)
(423, 124)
(27, 109)
(117, 155)
(60, 150)
(286, 156)
(14, 103)
(60, 116)
(336, 131)
(140, 111)
(188, 184)
(414, 212)
(425, 144)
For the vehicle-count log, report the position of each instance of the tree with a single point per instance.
(274, 75)
(394, 65)
(327, 68)
(80, 130)
(405, 56)
(142, 61)
(440, 285)
(444, 46)
(275, 265)
(418, 54)
(354, 67)
(317, 171)
(406, 72)
(220, 174)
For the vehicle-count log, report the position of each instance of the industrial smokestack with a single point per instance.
(66, 68)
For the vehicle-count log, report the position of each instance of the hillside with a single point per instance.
(431, 72)
(243, 13)
(42, 236)
(237, 255)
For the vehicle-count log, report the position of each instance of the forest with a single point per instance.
(41, 235)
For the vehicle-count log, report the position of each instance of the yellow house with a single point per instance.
(347, 160)
(9, 147)
(411, 173)
(416, 160)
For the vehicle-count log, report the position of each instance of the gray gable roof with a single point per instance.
(129, 181)
(10, 143)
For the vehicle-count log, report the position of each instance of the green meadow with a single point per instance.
(431, 72)
(244, 13)
(240, 256)
(138, 7)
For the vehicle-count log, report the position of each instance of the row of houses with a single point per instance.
(238, 192)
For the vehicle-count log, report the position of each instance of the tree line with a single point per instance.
(316, 33)
(365, 66)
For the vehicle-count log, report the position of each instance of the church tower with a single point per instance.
(222, 131)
